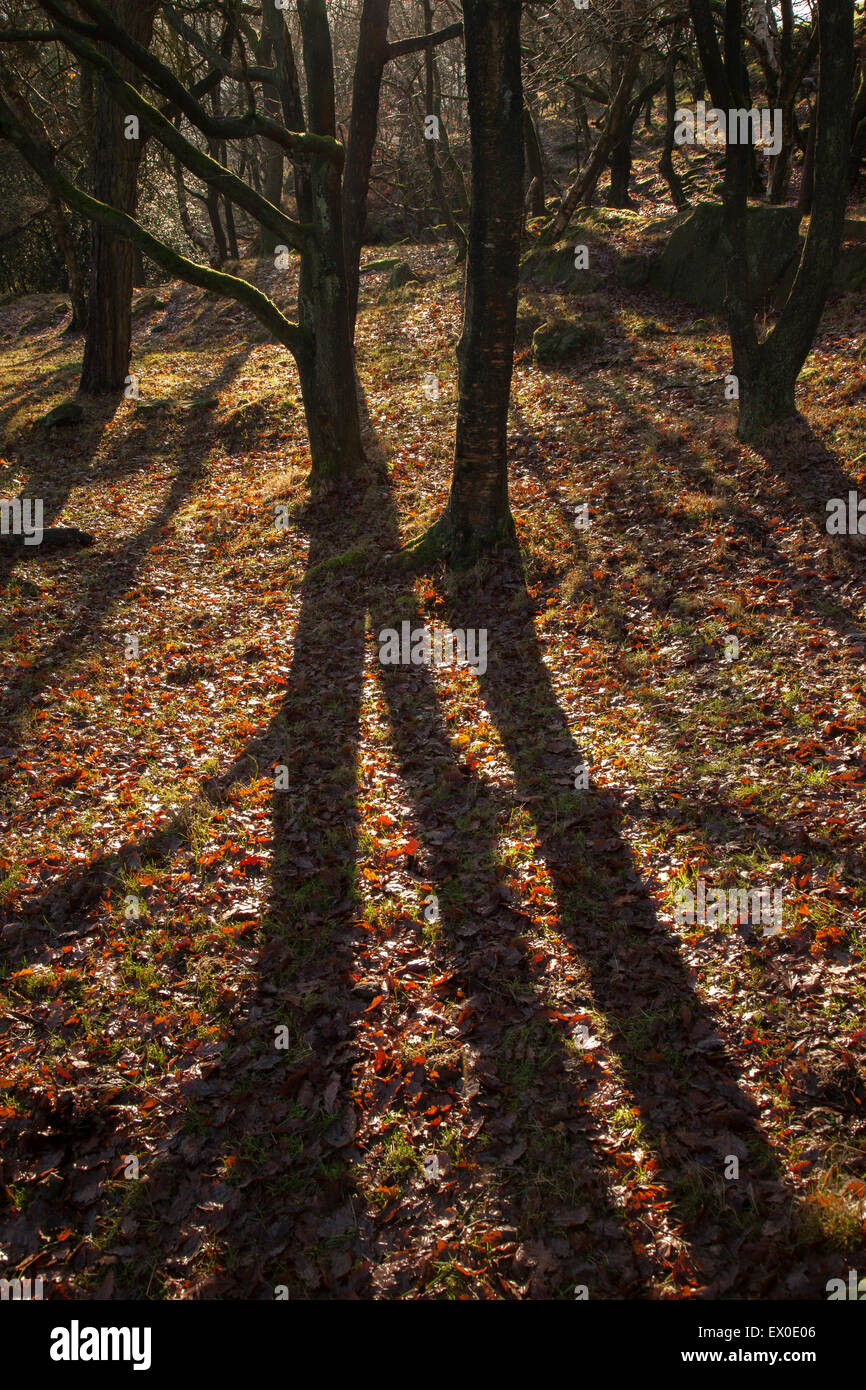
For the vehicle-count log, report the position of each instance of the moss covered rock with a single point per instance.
(554, 267)
(693, 265)
(558, 340)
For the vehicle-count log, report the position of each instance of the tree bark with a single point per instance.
(478, 517)
(535, 165)
(858, 116)
(363, 127)
(328, 373)
(807, 174)
(115, 181)
(666, 163)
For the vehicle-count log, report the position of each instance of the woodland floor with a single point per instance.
(541, 1088)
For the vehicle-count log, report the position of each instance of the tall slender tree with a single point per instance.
(478, 516)
(115, 180)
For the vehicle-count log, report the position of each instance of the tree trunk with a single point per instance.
(858, 118)
(769, 391)
(582, 137)
(74, 276)
(115, 178)
(478, 517)
(372, 57)
(666, 163)
(231, 233)
(433, 107)
(807, 174)
(186, 220)
(292, 105)
(781, 168)
(620, 167)
(582, 189)
(328, 373)
(272, 188)
(535, 165)
(213, 212)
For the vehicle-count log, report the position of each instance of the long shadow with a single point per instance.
(308, 946)
(683, 1082)
(308, 1226)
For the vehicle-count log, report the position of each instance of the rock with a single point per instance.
(403, 274)
(558, 340)
(692, 266)
(553, 267)
(54, 538)
(69, 413)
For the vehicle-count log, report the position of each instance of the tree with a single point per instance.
(666, 162)
(114, 181)
(374, 53)
(372, 57)
(478, 517)
(321, 341)
(767, 370)
(584, 185)
(65, 233)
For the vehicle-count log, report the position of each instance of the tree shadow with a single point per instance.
(580, 1148)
